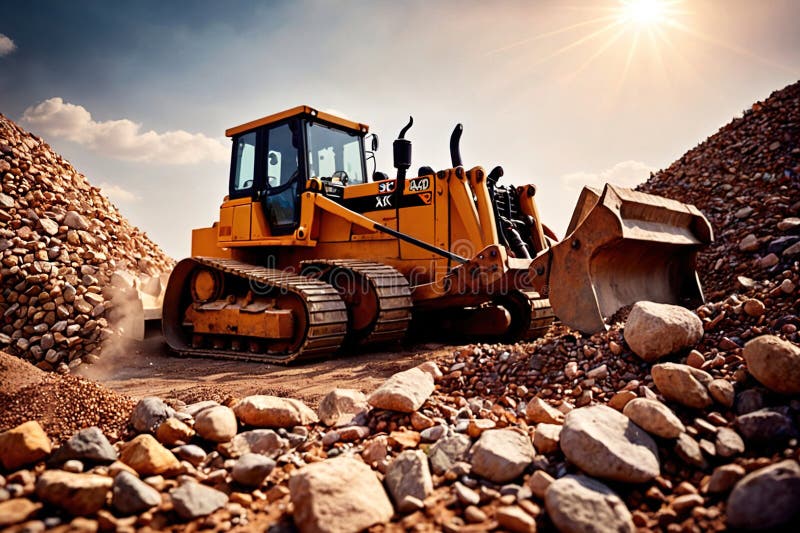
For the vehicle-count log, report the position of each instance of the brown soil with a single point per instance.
(148, 368)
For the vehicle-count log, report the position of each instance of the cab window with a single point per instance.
(244, 163)
(334, 155)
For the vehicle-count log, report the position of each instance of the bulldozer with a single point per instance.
(311, 254)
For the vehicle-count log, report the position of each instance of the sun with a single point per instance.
(644, 12)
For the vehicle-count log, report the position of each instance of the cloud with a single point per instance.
(6, 45)
(116, 193)
(625, 174)
(123, 138)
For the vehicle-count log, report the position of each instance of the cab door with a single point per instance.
(283, 177)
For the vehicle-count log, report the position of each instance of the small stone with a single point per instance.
(88, 444)
(600, 372)
(743, 212)
(722, 392)
(695, 359)
(749, 243)
(17, 510)
(725, 477)
(766, 425)
(78, 494)
(217, 424)
(654, 417)
(190, 452)
(604, 443)
(621, 399)
(754, 307)
(23, 445)
(148, 414)
(403, 392)
(262, 441)
(172, 431)
(323, 501)
(341, 406)
(685, 503)
(546, 438)
(75, 220)
(689, 451)
(192, 500)
(448, 451)
(252, 469)
(788, 224)
(580, 503)
(539, 411)
(515, 519)
(50, 227)
(147, 456)
(420, 421)
(728, 443)
(774, 362)
(408, 475)
(476, 427)
(539, 482)
(766, 498)
(654, 330)
(501, 455)
(683, 384)
(474, 515)
(133, 496)
(466, 495)
(273, 412)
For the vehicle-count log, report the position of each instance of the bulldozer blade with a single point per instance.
(137, 300)
(622, 246)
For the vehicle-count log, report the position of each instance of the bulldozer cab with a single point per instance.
(272, 158)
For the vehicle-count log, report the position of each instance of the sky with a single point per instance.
(561, 93)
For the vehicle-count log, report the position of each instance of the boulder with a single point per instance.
(148, 414)
(683, 384)
(77, 494)
(273, 412)
(148, 457)
(766, 498)
(583, 504)
(339, 495)
(132, 495)
(252, 469)
(217, 423)
(501, 455)
(605, 443)
(404, 392)
(88, 444)
(774, 362)
(654, 330)
(408, 475)
(23, 445)
(654, 417)
(340, 406)
(192, 500)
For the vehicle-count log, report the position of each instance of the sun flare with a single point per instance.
(644, 12)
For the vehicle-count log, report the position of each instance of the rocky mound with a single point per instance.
(746, 179)
(61, 241)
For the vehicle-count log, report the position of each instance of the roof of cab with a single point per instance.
(299, 110)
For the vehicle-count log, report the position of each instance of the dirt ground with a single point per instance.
(148, 368)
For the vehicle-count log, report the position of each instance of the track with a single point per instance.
(323, 327)
(389, 289)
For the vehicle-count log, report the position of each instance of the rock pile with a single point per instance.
(61, 241)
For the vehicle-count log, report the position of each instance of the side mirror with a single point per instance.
(374, 142)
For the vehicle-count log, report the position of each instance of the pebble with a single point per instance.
(252, 469)
(501, 455)
(654, 417)
(539, 411)
(341, 406)
(683, 384)
(192, 500)
(263, 411)
(408, 475)
(724, 478)
(515, 519)
(403, 392)
(217, 423)
(133, 496)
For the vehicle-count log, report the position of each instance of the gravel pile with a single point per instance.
(746, 180)
(61, 241)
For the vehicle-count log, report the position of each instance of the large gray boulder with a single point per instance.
(339, 495)
(579, 504)
(605, 443)
(767, 498)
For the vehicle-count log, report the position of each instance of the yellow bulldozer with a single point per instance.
(310, 253)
